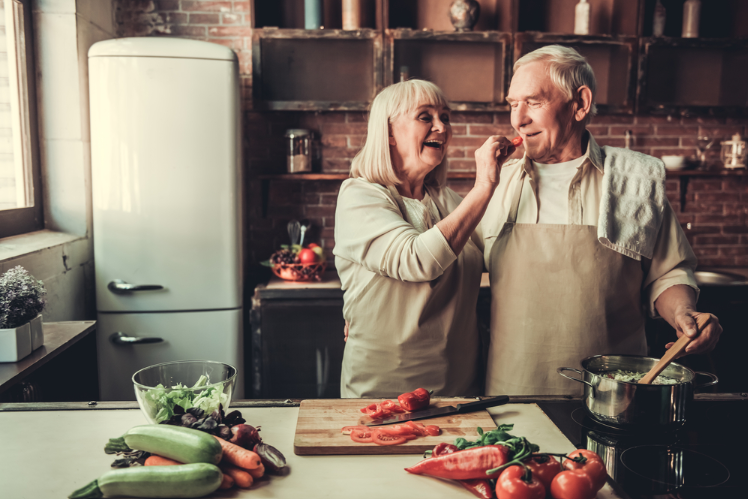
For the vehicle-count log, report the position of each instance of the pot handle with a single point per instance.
(713, 382)
(561, 370)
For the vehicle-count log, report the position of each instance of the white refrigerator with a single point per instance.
(166, 181)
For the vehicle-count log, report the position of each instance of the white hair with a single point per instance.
(373, 161)
(567, 68)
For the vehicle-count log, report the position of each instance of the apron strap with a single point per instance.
(512, 218)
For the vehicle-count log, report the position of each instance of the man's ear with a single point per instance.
(584, 102)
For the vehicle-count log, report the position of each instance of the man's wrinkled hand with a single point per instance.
(703, 342)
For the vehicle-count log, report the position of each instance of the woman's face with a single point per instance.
(418, 140)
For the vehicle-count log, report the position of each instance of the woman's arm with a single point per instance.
(459, 225)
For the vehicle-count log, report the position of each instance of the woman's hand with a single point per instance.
(490, 157)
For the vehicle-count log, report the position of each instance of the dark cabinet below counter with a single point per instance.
(296, 346)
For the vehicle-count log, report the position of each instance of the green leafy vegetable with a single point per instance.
(160, 401)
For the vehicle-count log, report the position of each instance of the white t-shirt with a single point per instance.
(553, 190)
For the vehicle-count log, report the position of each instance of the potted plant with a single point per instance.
(21, 304)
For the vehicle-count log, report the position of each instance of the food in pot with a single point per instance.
(634, 377)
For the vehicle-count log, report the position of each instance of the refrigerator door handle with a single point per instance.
(120, 287)
(120, 338)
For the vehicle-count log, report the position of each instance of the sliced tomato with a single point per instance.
(381, 438)
(348, 429)
(433, 430)
(418, 429)
(396, 429)
(410, 437)
(389, 405)
(363, 436)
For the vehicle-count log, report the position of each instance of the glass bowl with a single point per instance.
(187, 383)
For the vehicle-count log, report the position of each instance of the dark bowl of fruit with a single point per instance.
(294, 263)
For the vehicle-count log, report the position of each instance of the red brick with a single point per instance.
(344, 128)
(644, 130)
(701, 251)
(227, 18)
(475, 142)
(698, 184)
(684, 218)
(186, 30)
(329, 117)
(339, 141)
(502, 118)
(717, 261)
(677, 130)
(741, 261)
(357, 117)
(232, 43)
(334, 152)
(242, 5)
(320, 211)
(718, 197)
(657, 120)
(656, 141)
(284, 193)
(717, 219)
(735, 209)
(176, 18)
(323, 186)
(709, 120)
(466, 117)
(162, 5)
(599, 130)
(721, 240)
(484, 131)
(230, 31)
(206, 6)
(328, 199)
(329, 222)
(735, 229)
(336, 165)
(461, 165)
(723, 132)
(733, 250)
(607, 141)
(459, 130)
(284, 211)
(704, 208)
(311, 198)
(612, 119)
(455, 152)
(205, 18)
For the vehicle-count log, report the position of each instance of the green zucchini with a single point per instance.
(183, 480)
(175, 442)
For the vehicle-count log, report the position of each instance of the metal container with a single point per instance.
(624, 404)
(298, 150)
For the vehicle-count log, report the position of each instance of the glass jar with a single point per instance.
(298, 150)
(734, 152)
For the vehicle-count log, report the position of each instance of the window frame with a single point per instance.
(31, 218)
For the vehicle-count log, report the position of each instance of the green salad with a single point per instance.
(160, 401)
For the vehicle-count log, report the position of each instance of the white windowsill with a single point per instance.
(25, 244)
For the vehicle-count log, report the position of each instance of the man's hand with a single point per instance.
(685, 323)
(677, 305)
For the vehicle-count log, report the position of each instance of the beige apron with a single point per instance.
(558, 296)
(425, 336)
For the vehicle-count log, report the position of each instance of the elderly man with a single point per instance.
(581, 241)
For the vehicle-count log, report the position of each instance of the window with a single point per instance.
(20, 188)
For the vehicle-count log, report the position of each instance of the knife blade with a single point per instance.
(439, 411)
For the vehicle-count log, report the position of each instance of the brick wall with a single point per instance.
(715, 215)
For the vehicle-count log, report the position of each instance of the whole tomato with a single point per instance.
(307, 256)
(593, 465)
(511, 484)
(572, 484)
(544, 468)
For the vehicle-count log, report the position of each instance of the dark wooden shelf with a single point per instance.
(707, 173)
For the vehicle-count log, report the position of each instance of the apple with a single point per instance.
(312, 245)
(307, 255)
(320, 253)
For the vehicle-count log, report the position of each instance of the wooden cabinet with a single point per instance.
(334, 69)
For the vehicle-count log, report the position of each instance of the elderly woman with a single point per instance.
(407, 253)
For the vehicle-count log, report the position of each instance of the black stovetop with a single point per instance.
(705, 459)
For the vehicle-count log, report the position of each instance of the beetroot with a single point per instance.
(245, 435)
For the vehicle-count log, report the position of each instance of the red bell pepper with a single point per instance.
(416, 400)
(479, 487)
(465, 464)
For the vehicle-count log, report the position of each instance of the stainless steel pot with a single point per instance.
(620, 403)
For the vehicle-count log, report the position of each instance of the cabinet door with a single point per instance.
(298, 349)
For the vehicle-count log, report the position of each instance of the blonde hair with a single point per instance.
(373, 161)
(567, 68)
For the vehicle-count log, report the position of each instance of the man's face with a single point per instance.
(542, 115)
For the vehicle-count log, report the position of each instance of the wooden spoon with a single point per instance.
(702, 320)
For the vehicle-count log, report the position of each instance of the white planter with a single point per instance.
(15, 344)
(37, 333)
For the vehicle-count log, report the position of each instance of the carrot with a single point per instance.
(257, 472)
(241, 477)
(227, 482)
(239, 456)
(154, 460)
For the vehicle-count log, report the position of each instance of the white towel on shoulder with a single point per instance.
(633, 202)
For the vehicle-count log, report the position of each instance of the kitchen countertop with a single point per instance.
(58, 337)
(66, 441)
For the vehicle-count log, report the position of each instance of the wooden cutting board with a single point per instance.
(320, 421)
